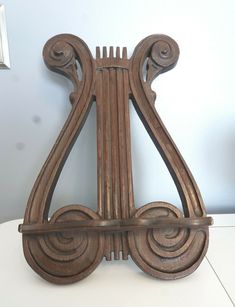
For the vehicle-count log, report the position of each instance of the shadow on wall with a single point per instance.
(219, 160)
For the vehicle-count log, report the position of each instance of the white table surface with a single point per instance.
(121, 283)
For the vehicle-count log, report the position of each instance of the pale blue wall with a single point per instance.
(196, 100)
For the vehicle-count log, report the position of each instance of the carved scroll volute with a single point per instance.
(62, 258)
(168, 253)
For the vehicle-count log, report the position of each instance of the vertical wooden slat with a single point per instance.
(107, 160)
(122, 156)
(100, 142)
(111, 52)
(104, 52)
(107, 145)
(131, 206)
(118, 52)
(115, 159)
(98, 52)
(124, 53)
(122, 143)
(115, 146)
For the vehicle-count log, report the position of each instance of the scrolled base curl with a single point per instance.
(167, 253)
(65, 257)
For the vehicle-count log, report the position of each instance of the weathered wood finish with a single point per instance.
(163, 241)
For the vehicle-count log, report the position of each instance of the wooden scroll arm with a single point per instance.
(56, 258)
(162, 54)
(60, 54)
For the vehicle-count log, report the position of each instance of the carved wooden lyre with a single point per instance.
(163, 241)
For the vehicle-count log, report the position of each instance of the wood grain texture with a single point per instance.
(163, 241)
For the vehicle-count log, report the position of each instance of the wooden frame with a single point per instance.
(4, 51)
(163, 241)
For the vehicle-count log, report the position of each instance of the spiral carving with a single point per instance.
(163, 56)
(62, 53)
(70, 256)
(165, 53)
(58, 54)
(165, 252)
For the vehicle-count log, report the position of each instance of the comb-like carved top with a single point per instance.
(112, 59)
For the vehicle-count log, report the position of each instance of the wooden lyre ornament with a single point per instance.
(163, 241)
